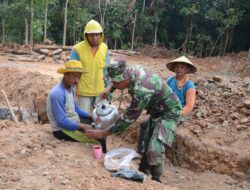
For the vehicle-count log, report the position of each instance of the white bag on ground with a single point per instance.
(119, 158)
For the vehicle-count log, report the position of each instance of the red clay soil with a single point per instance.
(210, 152)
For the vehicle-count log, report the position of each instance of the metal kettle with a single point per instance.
(107, 113)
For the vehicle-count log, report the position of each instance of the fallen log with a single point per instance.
(49, 47)
(56, 51)
(19, 52)
(44, 51)
(41, 56)
(23, 59)
(50, 53)
(125, 52)
(56, 57)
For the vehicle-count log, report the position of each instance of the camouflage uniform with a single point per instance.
(150, 92)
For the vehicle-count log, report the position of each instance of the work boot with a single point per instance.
(156, 172)
(144, 166)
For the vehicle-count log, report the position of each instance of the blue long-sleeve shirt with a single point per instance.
(61, 111)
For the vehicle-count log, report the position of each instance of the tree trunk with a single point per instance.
(226, 41)
(184, 45)
(121, 41)
(190, 33)
(221, 41)
(231, 38)
(65, 22)
(102, 14)
(133, 33)
(3, 24)
(3, 30)
(218, 38)
(31, 21)
(100, 10)
(74, 32)
(201, 50)
(155, 36)
(115, 44)
(45, 20)
(74, 27)
(143, 6)
(26, 31)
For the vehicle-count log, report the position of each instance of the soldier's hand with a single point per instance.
(97, 134)
(105, 93)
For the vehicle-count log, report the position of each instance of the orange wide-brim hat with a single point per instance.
(71, 66)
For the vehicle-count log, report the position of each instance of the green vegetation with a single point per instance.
(197, 27)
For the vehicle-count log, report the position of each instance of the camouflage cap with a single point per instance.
(117, 69)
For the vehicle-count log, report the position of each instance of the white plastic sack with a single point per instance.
(119, 158)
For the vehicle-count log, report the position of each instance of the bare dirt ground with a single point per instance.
(210, 152)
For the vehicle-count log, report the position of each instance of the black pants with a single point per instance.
(62, 136)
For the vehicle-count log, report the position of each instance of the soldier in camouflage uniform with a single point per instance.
(149, 92)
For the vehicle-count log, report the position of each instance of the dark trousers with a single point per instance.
(62, 136)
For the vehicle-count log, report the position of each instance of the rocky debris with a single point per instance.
(218, 130)
(220, 101)
(247, 103)
(24, 115)
(217, 79)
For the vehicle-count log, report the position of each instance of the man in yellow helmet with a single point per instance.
(93, 54)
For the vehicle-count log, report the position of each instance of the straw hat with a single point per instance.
(171, 65)
(71, 66)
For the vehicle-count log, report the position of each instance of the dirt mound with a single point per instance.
(26, 89)
(15, 48)
(157, 52)
(229, 65)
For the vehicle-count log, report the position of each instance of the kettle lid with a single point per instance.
(103, 109)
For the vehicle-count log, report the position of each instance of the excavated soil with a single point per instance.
(211, 151)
